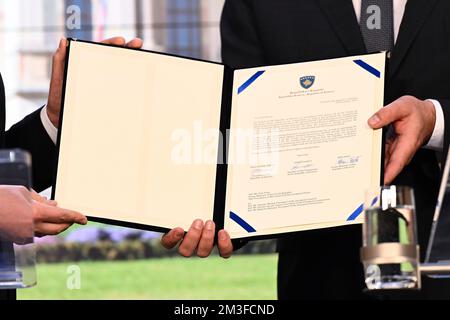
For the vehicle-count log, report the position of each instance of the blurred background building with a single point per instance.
(30, 31)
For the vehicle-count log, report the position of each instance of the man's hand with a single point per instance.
(51, 220)
(199, 239)
(16, 223)
(413, 121)
(54, 96)
(24, 214)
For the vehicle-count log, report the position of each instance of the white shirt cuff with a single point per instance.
(436, 141)
(48, 125)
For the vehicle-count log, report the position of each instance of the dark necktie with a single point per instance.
(377, 24)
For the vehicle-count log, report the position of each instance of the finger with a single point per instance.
(171, 239)
(388, 151)
(52, 203)
(403, 151)
(116, 41)
(51, 214)
(206, 243)
(136, 43)
(225, 245)
(50, 229)
(36, 196)
(191, 239)
(387, 115)
(387, 157)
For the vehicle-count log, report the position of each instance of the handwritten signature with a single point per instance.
(300, 167)
(347, 160)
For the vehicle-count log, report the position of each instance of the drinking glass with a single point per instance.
(390, 253)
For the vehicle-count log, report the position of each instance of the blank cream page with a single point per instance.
(134, 135)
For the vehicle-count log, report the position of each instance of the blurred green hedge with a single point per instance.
(126, 250)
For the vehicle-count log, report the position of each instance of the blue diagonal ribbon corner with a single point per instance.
(368, 67)
(355, 214)
(252, 79)
(241, 222)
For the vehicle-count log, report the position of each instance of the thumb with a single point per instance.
(59, 58)
(387, 115)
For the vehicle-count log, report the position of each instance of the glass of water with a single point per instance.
(390, 253)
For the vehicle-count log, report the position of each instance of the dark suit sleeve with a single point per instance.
(241, 46)
(30, 135)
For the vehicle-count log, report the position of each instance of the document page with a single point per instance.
(301, 154)
(133, 144)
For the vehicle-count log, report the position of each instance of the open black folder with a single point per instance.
(154, 141)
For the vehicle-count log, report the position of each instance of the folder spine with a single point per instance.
(222, 166)
(385, 130)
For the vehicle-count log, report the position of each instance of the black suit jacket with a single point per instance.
(29, 134)
(325, 263)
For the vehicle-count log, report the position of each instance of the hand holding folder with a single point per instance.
(308, 156)
(198, 240)
(413, 121)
